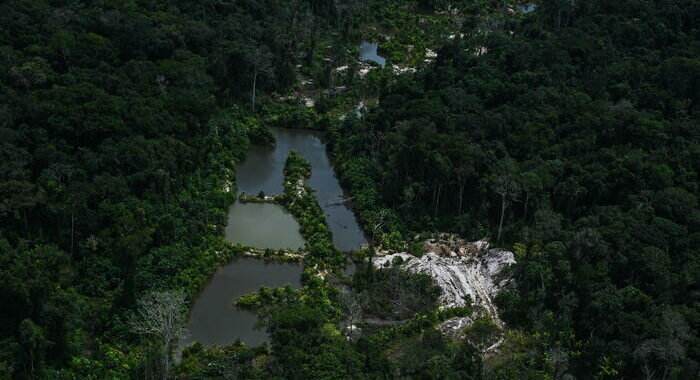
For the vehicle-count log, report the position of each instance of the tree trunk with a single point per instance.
(558, 18)
(461, 195)
(72, 229)
(437, 200)
(527, 199)
(500, 224)
(31, 361)
(255, 79)
(166, 360)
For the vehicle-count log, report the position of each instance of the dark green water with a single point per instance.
(262, 225)
(214, 320)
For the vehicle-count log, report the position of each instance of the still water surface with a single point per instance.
(262, 225)
(263, 167)
(368, 52)
(213, 319)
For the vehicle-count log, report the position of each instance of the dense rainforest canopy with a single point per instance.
(113, 161)
(575, 133)
(570, 134)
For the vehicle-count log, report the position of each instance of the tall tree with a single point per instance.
(507, 188)
(260, 60)
(161, 314)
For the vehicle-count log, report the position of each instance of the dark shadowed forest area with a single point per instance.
(565, 131)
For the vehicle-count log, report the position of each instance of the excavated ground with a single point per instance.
(467, 273)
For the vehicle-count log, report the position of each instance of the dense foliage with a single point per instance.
(574, 131)
(117, 161)
(306, 342)
(300, 201)
(395, 294)
(569, 134)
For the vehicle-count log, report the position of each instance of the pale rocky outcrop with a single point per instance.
(402, 70)
(365, 67)
(465, 271)
(308, 102)
(453, 326)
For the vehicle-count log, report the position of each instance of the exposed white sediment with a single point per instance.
(453, 326)
(467, 273)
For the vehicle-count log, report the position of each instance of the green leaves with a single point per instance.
(299, 199)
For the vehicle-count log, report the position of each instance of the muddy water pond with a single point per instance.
(262, 225)
(213, 318)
